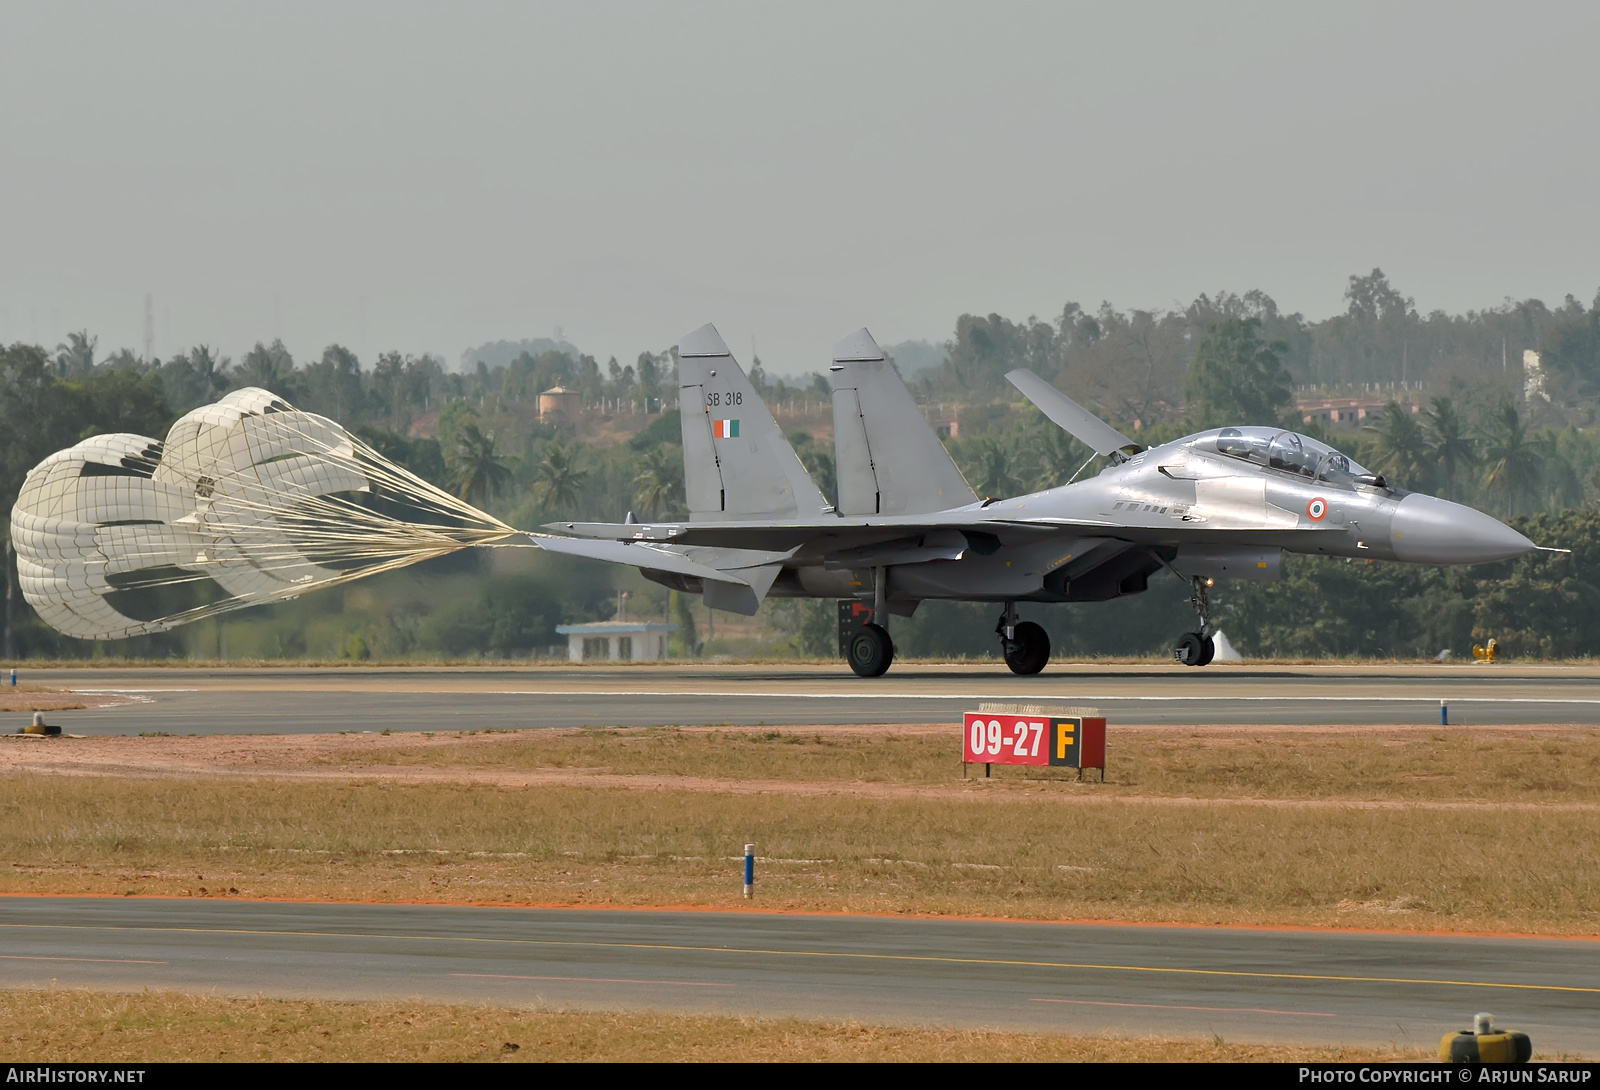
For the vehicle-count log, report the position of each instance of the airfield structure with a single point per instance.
(616, 641)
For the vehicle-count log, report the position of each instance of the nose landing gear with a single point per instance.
(1198, 648)
(1025, 646)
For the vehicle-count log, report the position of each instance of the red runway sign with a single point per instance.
(1070, 741)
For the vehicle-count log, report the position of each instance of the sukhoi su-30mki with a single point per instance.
(1221, 504)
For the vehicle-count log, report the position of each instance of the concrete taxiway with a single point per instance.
(1242, 984)
(298, 700)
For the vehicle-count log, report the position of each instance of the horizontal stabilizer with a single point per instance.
(638, 555)
(743, 598)
(1069, 416)
(739, 590)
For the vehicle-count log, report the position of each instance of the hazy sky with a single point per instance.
(431, 176)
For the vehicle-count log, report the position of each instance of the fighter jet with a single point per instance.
(1226, 503)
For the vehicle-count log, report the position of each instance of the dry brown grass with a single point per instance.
(1496, 765)
(1453, 768)
(154, 1027)
(1460, 830)
(36, 698)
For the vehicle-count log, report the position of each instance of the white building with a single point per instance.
(616, 641)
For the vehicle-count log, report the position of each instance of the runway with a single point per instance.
(1244, 985)
(298, 700)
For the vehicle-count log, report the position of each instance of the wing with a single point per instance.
(847, 533)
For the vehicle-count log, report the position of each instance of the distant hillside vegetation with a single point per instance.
(912, 357)
(497, 354)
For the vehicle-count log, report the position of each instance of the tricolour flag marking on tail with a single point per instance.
(725, 429)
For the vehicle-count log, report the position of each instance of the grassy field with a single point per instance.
(1480, 764)
(1448, 829)
(37, 698)
(155, 1027)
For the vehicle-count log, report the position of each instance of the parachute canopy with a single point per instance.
(247, 501)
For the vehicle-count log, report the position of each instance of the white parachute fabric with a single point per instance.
(249, 461)
(248, 501)
(86, 520)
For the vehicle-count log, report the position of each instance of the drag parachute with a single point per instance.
(247, 501)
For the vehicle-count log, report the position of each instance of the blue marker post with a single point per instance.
(13, 677)
(749, 871)
(1444, 713)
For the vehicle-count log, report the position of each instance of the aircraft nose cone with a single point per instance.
(1428, 530)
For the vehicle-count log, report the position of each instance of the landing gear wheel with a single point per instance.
(1194, 649)
(1029, 650)
(871, 651)
(1198, 648)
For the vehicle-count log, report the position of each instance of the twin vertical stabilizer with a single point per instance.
(738, 465)
(889, 462)
(736, 462)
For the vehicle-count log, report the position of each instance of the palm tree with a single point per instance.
(1050, 457)
(266, 366)
(75, 358)
(660, 485)
(1401, 449)
(558, 480)
(990, 471)
(1448, 445)
(209, 372)
(1514, 460)
(475, 470)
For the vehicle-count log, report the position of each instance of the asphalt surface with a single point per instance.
(1245, 985)
(291, 701)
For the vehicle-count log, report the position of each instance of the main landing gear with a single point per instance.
(1198, 648)
(1026, 646)
(871, 651)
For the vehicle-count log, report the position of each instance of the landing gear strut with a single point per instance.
(1026, 646)
(1198, 648)
(871, 651)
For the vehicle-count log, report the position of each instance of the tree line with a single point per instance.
(1132, 365)
(1472, 433)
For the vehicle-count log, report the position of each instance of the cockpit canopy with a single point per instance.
(1285, 450)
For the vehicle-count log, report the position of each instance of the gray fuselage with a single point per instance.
(1223, 503)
